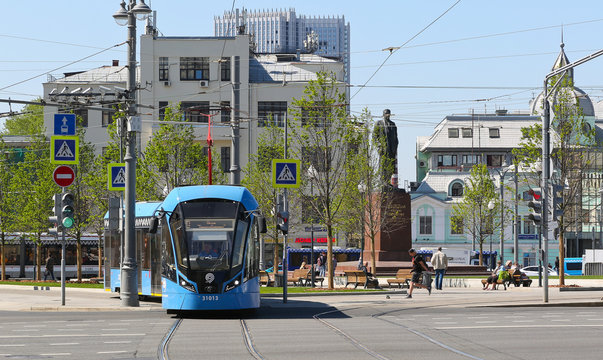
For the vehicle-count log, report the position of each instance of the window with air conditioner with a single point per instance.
(164, 69)
(194, 68)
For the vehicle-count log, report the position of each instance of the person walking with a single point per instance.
(49, 271)
(418, 266)
(321, 263)
(557, 264)
(439, 261)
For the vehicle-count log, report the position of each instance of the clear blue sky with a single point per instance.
(460, 50)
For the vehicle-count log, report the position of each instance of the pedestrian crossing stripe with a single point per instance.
(286, 173)
(64, 149)
(116, 176)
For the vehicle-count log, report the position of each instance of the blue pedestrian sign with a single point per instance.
(285, 173)
(64, 150)
(64, 124)
(117, 176)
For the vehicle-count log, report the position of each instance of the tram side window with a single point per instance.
(179, 240)
(145, 248)
(168, 263)
(252, 254)
(239, 243)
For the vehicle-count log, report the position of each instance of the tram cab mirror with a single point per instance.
(153, 225)
(262, 224)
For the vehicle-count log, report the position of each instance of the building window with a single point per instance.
(494, 160)
(456, 225)
(195, 111)
(225, 111)
(272, 113)
(194, 68)
(453, 132)
(467, 132)
(447, 160)
(456, 189)
(494, 133)
(162, 106)
(107, 117)
(164, 69)
(528, 226)
(82, 117)
(225, 158)
(471, 159)
(425, 225)
(225, 69)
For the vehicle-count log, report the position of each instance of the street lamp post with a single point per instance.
(129, 281)
(501, 175)
(362, 191)
(491, 206)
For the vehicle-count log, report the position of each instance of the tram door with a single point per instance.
(155, 263)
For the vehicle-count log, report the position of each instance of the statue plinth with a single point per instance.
(393, 237)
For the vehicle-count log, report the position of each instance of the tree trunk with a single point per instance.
(481, 252)
(39, 259)
(79, 260)
(2, 258)
(330, 256)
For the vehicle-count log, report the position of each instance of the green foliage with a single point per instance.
(30, 122)
(173, 158)
(478, 220)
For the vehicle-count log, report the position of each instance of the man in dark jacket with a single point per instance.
(49, 268)
(418, 266)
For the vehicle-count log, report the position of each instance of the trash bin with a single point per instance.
(278, 280)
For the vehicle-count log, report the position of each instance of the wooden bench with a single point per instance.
(403, 277)
(308, 280)
(504, 283)
(358, 277)
(518, 281)
(299, 276)
(265, 279)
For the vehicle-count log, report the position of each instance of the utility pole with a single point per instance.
(286, 210)
(235, 170)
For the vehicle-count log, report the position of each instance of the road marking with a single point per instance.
(475, 317)
(560, 320)
(25, 330)
(485, 322)
(113, 329)
(522, 321)
(594, 319)
(516, 326)
(112, 352)
(441, 318)
(55, 354)
(56, 321)
(117, 342)
(446, 322)
(66, 335)
(45, 325)
(12, 345)
(60, 344)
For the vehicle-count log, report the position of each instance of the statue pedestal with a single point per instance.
(393, 227)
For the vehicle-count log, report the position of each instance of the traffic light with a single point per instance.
(67, 210)
(55, 219)
(536, 206)
(557, 192)
(283, 224)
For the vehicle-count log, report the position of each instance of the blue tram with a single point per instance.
(198, 249)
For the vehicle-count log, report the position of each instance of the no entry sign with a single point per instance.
(63, 175)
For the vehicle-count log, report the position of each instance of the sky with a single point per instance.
(479, 56)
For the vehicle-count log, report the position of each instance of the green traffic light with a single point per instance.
(67, 222)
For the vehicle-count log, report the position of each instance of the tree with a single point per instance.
(323, 130)
(173, 154)
(6, 208)
(258, 179)
(478, 213)
(29, 122)
(572, 139)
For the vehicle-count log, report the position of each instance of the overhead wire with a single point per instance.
(394, 50)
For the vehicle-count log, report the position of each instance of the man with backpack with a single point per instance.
(418, 266)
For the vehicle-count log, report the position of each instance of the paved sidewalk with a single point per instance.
(25, 298)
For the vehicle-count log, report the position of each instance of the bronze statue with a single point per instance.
(386, 139)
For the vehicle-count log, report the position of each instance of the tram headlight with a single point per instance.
(233, 284)
(187, 285)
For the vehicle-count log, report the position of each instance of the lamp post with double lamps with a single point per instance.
(127, 15)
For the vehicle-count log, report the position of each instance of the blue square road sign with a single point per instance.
(64, 124)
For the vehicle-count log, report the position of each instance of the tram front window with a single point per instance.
(208, 247)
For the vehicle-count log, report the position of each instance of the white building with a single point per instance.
(284, 32)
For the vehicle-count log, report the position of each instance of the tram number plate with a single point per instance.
(210, 298)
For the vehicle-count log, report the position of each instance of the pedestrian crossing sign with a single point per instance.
(117, 176)
(285, 173)
(64, 150)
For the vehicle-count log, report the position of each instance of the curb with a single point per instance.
(581, 289)
(334, 293)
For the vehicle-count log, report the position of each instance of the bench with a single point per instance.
(299, 276)
(518, 281)
(403, 277)
(358, 277)
(265, 279)
(308, 279)
(504, 283)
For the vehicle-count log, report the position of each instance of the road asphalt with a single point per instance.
(30, 298)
